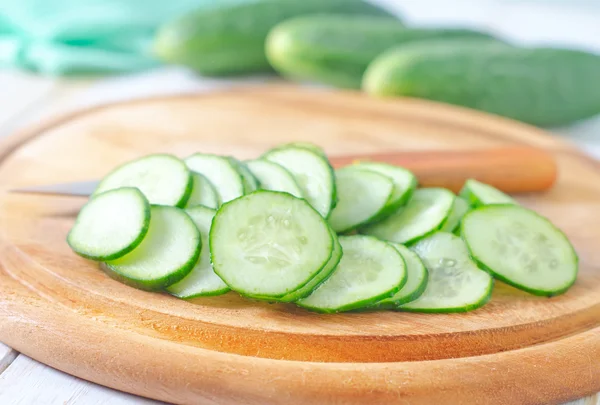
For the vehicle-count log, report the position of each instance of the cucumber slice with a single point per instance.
(274, 177)
(110, 225)
(312, 172)
(268, 244)
(404, 181)
(202, 280)
(521, 248)
(167, 254)
(249, 181)
(320, 278)
(362, 195)
(477, 193)
(163, 179)
(305, 145)
(455, 282)
(417, 277)
(220, 172)
(369, 271)
(459, 209)
(425, 213)
(203, 193)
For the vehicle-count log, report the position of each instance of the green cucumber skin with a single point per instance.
(317, 150)
(543, 86)
(160, 283)
(230, 39)
(249, 181)
(200, 295)
(366, 304)
(409, 298)
(466, 308)
(153, 285)
(187, 194)
(357, 306)
(129, 248)
(390, 209)
(482, 266)
(336, 50)
(295, 296)
(268, 298)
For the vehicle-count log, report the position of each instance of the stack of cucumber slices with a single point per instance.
(288, 228)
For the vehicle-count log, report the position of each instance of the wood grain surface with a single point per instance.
(62, 310)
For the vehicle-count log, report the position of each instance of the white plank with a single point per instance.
(27, 382)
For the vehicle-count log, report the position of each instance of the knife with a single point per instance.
(510, 169)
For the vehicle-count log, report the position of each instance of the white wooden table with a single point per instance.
(26, 98)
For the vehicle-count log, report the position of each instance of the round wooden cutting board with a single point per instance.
(62, 310)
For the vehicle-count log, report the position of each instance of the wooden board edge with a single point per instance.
(182, 374)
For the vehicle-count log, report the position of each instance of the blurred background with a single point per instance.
(65, 54)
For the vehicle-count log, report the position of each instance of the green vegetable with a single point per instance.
(539, 86)
(268, 244)
(521, 248)
(424, 214)
(321, 277)
(311, 171)
(363, 194)
(202, 280)
(404, 181)
(369, 271)
(455, 282)
(203, 193)
(111, 224)
(416, 283)
(167, 254)
(163, 179)
(336, 49)
(477, 193)
(222, 172)
(274, 177)
(230, 39)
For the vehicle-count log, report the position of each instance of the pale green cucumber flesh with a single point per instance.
(163, 179)
(312, 172)
(249, 181)
(220, 172)
(321, 277)
(274, 177)
(166, 255)
(203, 193)
(369, 271)
(416, 280)
(459, 209)
(424, 213)
(404, 182)
(268, 244)
(202, 280)
(455, 282)
(111, 224)
(362, 195)
(477, 193)
(521, 248)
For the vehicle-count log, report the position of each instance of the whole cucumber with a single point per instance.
(543, 86)
(336, 49)
(230, 39)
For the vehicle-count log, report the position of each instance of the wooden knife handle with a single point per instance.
(510, 169)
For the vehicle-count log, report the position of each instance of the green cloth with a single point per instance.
(62, 37)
